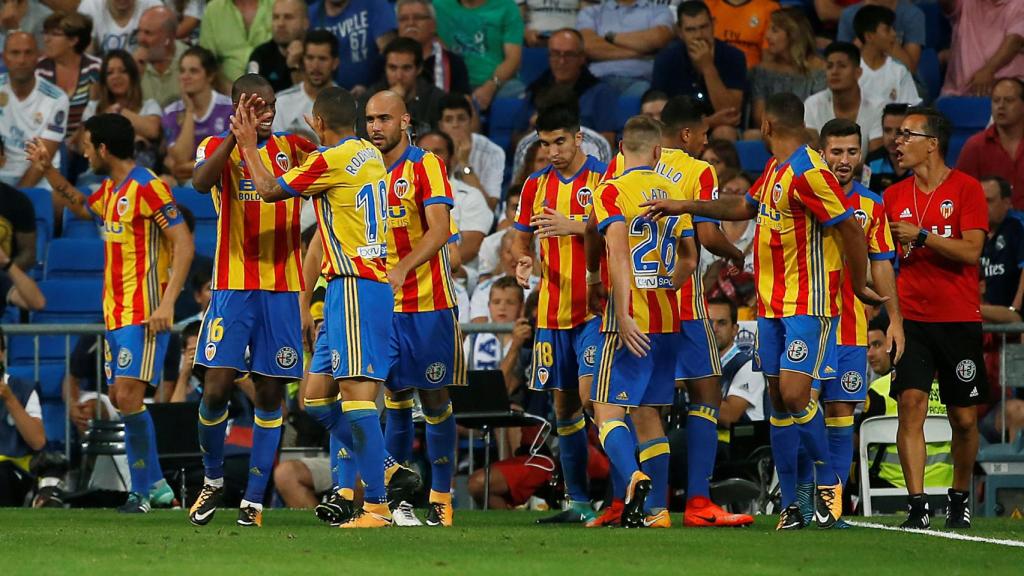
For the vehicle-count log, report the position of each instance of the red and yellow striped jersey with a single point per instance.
(653, 301)
(348, 184)
(257, 243)
(797, 265)
(138, 256)
(870, 214)
(563, 269)
(416, 180)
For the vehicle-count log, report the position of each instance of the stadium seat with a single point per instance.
(628, 107)
(956, 144)
(534, 64)
(930, 72)
(49, 386)
(938, 31)
(71, 301)
(882, 430)
(505, 118)
(206, 229)
(206, 245)
(74, 227)
(74, 258)
(42, 201)
(969, 114)
(201, 205)
(753, 155)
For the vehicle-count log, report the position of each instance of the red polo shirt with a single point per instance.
(931, 287)
(983, 155)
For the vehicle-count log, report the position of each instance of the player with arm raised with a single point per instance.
(255, 307)
(647, 261)
(797, 268)
(554, 207)
(148, 250)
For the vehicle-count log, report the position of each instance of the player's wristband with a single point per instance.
(593, 278)
(921, 237)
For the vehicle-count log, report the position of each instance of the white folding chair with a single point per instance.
(882, 430)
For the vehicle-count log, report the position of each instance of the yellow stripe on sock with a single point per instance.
(782, 422)
(839, 422)
(353, 405)
(607, 427)
(215, 421)
(275, 423)
(810, 412)
(655, 450)
(139, 411)
(319, 401)
(706, 414)
(434, 420)
(572, 428)
(398, 404)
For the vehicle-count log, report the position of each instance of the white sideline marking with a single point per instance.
(937, 534)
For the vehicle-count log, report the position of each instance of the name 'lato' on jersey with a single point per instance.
(870, 214)
(416, 180)
(137, 254)
(563, 264)
(348, 184)
(797, 264)
(653, 245)
(257, 242)
(696, 180)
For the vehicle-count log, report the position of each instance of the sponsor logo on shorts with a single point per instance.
(435, 372)
(852, 381)
(797, 350)
(543, 375)
(210, 351)
(622, 397)
(335, 359)
(124, 358)
(287, 357)
(589, 355)
(966, 370)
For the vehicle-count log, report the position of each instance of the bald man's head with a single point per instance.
(20, 56)
(387, 121)
(288, 21)
(157, 29)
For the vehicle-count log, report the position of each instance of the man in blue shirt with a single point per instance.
(621, 38)
(703, 68)
(363, 28)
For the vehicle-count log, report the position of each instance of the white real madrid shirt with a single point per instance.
(892, 82)
(43, 114)
(107, 34)
(292, 105)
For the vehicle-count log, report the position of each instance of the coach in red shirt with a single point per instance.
(939, 217)
(999, 149)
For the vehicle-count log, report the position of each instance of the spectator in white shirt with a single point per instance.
(844, 98)
(115, 23)
(882, 76)
(742, 388)
(480, 162)
(30, 108)
(542, 17)
(319, 61)
(489, 256)
(472, 217)
(478, 310)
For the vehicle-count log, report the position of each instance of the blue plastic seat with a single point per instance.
(201, 205)
(206, 246)
(753, 155)
(76, 301)
(956, 144)
(930, 72)
(42, 201)
(74, 227)
(938, 30)
(49, 386)
(74, 258)
(969, 114)
(628, 107)
(534, 64)
(506, 117)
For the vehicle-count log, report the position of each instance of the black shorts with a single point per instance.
(949, 350)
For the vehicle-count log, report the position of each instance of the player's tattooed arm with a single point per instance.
(40, 158)
(725, 208)
(243, 126)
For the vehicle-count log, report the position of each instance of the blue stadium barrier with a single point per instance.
(74, 258)
(75, 227)
(969, 114)
(753, 155)
(78, 301)
(534, 64)
(505, 118)
(930, 72)
(201, 205)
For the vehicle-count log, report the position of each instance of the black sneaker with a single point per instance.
(790, 519)
(828, 505)
(49, 497)
(135, 504)
(250, 516)
(404, 486)
(334, 509)
(633, 515)
(205, 506)
(958, 512)
(919, 516)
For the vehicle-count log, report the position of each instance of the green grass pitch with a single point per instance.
(86, 542)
